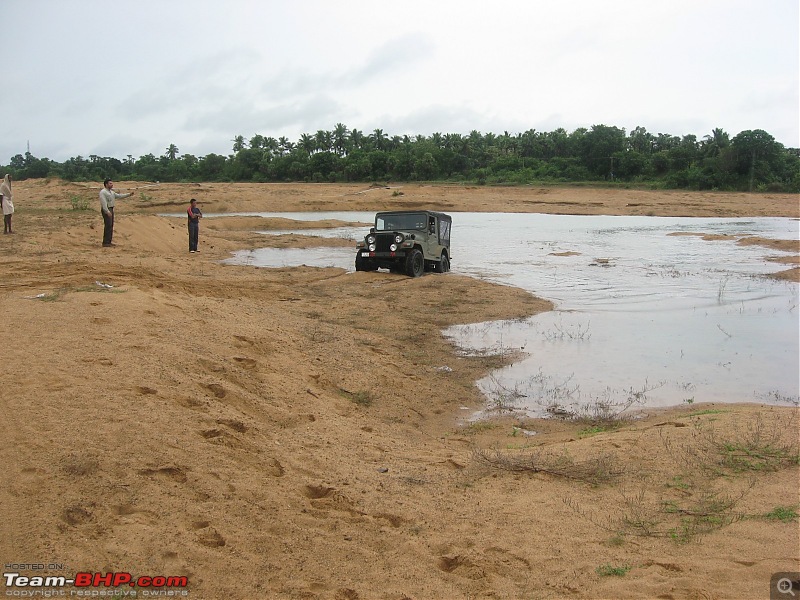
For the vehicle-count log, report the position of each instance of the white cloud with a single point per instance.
(90, 77)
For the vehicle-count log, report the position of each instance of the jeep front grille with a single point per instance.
(383, 241)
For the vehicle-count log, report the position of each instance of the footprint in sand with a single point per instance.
(76, 515)
(210, 434)
(128, 513)
(172, 473)
(237, 426)
(274, 468)
(315, 492)
(247, 363)
(216, 389)
(244, 341)
(211, 538)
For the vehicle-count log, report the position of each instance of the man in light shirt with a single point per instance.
(107, 198)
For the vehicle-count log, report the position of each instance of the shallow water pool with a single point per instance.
(641, 316)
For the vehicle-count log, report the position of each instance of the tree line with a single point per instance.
(749, 161)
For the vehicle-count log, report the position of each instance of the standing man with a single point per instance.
(7, 203)
(107, 198)
(194, 215)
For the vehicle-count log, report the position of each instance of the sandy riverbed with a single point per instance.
(294, 433)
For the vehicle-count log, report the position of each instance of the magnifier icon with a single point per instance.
(784, 586)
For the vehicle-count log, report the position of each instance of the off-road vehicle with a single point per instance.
(407, 242)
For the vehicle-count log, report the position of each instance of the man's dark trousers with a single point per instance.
(108, 226)
(194, 232)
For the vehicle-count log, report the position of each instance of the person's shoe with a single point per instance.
(108, 245)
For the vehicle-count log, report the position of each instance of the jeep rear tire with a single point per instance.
(415, 263)
(443, 266)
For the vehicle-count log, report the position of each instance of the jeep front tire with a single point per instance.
(415, 263)
(364, 264)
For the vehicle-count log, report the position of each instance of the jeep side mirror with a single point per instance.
(372, 230)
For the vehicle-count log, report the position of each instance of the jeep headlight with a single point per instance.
(393, 247)
(371, 240)
(398, 238)
(372, 247)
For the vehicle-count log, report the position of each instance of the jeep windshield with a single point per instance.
(401, 222)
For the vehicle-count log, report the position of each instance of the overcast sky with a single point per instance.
(114, 78)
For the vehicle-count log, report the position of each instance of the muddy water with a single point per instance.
(641, 317)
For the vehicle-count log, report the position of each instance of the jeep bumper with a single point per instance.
(382, 255)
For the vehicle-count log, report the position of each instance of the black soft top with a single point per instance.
(439, 215)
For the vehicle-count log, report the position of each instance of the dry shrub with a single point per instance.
(597, 470)
(762, 443)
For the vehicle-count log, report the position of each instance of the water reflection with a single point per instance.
(640, 314)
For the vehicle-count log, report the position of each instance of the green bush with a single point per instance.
(78, 203)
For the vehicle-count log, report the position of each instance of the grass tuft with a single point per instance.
(612, 571)
(361, 397)
(784, 514)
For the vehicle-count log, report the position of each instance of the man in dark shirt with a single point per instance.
(194, 215)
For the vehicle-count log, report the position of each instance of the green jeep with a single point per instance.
(408, 241)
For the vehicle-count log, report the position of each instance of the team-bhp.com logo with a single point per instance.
(88, 584)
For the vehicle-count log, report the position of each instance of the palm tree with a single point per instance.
(257, 142)
(356, 138)
(307, 143)
(286, 145)
(283, 145)
(451, 140)
(378, 138)
(340, 139)
(172, 152)
(506, 144)
(238, 143)
(270, 145)
(465, 146)
(715, 142)
(319, 139)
